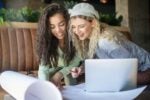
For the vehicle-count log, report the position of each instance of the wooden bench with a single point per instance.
(17, 49)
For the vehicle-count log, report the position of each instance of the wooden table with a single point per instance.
(145, 95)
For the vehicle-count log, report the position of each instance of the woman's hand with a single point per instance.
(56, 79)
(77, 71)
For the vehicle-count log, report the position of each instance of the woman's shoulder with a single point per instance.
(105, 43)
(110, 35)
(110, 38)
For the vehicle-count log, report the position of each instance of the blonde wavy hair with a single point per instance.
(86, 48)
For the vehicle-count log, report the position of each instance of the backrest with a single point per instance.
(17, 49)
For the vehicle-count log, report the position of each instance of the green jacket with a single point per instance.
(45, 72)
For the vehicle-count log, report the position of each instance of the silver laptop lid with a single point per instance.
(105, 75)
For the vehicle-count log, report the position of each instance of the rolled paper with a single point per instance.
(23, 87)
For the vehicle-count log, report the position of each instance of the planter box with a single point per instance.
(19, 25)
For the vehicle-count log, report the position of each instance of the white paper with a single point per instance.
(78, 93)
(23, 87)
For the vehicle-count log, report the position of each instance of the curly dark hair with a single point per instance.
(47, 44)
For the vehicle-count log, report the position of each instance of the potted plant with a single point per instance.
(111, 19)
(19, 17)
(69, 4)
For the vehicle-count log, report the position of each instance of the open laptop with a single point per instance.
(110, 75)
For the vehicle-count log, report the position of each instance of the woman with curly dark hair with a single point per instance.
(55, 50)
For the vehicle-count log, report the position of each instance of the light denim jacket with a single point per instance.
(125, 49)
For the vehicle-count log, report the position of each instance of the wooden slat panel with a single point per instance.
(5, 49)
(35, 59)
(0, 50)
(28, 49)
(17, 49)
(21, 49)
(13, 49)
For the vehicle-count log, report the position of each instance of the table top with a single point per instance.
(145, 95)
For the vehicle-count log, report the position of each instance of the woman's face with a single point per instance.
(58, 26)
(81, 27)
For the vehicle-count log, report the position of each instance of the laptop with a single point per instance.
(110, 75)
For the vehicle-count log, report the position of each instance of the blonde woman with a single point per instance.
(92, 40)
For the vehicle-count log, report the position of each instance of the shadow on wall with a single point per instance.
(139, 22)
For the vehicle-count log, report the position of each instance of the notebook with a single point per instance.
(110, 75)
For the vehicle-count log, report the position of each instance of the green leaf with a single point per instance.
(24, 14)
(111, 19)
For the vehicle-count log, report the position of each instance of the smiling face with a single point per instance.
(58, 26)
(81, 27)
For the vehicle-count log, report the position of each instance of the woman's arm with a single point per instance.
(44, 72)
(74, 63)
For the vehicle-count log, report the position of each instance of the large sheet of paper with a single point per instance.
(78, 93)
(23, 87)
